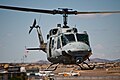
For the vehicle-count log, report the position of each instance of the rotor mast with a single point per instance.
(65, 16)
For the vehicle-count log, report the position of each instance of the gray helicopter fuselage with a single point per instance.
(67, 46)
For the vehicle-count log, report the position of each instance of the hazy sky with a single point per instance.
(103, 30)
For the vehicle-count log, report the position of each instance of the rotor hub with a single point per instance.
(65, 15)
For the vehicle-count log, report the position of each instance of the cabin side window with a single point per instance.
(58, 43)
(52, 43)
(54, 31)
(50, 47)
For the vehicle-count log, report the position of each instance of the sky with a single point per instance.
(103, 29)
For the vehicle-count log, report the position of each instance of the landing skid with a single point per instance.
(52, 69)
(89, 67)
(82, 68)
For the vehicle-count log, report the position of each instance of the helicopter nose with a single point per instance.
(79, 51)
(76, 46)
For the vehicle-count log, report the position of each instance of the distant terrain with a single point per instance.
(91, 60)
(103, 60)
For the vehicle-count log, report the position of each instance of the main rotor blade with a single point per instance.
(54, 11)
(29, 9)
(103, 12)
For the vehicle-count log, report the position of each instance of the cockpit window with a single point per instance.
(64, 40)
(83, 38)
(70, 37)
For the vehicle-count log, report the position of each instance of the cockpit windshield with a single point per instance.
(70, 37)
(83, 38)
(66, 38)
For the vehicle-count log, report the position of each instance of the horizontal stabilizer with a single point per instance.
(34, 49)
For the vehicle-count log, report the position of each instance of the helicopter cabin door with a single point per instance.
(51, 46)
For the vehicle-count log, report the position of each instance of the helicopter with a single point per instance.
(65, 44)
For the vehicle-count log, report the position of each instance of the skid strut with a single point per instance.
(52, 69)
(89, 67)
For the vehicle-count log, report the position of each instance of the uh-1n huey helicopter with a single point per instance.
(64, 44)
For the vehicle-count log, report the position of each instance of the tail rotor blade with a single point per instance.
(34, 23)
(33, 26)
(30, 29)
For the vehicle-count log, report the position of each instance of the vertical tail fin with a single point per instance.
(41, 41)
(40, 35)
